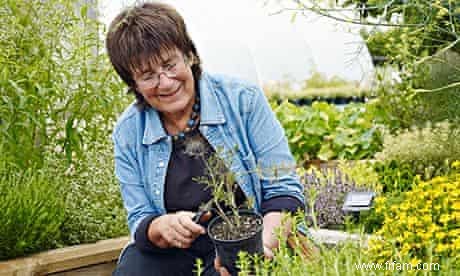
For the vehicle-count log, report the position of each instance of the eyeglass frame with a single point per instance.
(153, 79)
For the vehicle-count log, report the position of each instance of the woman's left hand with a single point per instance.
(272, 222)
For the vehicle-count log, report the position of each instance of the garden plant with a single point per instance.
(235, 228)
(58, 102)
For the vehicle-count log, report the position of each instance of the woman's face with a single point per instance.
(168, 87)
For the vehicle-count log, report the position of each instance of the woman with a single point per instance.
(178, 107)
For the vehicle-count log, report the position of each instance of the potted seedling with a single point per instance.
(234, 228)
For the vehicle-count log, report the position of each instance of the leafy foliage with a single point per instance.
(94, 209)
(32, 204)
(426, 149)
(435, 22)
(58, 101)
(396, 177)
(56, 89)
(54, 206)
(322, 131)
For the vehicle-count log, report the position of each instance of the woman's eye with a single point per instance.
(147, 77)
(170, 66)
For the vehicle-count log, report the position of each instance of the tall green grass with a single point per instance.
(32, 210)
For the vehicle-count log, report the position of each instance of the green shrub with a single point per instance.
(322, 131)
(426, 149)
(57, 205)
(362, 174)
(372, 220)
(59, 99)
(395, 177)
(94, 210)
(57, 88)
(32, 210)
(443, 69)
(424, 95)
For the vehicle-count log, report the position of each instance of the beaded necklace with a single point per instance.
(192, 122)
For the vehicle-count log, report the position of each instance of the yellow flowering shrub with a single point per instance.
(425, 225)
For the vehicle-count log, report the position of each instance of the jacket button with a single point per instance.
(161, 164)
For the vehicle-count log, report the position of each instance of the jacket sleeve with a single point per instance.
(135, 199)
(275, 162)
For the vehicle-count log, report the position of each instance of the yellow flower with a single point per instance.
(444, 219)
(456, 164)
(440, 235)
(411, 221)
(456, 244)
(441, 248)
(420, 220)
(414, 262)
(456, 206)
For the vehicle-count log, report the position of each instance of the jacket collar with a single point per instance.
(210, 108)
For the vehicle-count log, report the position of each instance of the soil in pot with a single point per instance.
(248, 237)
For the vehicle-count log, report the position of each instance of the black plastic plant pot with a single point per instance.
(228, 250)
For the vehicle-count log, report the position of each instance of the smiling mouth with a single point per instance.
(170, 94)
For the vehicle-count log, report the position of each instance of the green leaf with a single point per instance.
(326, 153)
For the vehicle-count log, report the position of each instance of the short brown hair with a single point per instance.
(141, 33)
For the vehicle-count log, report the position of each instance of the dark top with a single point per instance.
(184, 192)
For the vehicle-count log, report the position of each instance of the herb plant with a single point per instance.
(223, 184)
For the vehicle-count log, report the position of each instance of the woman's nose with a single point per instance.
(164, 82)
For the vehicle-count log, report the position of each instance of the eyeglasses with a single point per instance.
(170, 69)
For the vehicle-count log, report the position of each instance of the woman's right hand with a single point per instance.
(175, 230)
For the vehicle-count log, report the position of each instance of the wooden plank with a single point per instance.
(64, 259)
(19, 267)
(81, 255)
(105, 269)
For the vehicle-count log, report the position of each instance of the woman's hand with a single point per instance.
(272, 222)
(175, 230)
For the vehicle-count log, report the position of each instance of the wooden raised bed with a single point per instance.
(95, 259)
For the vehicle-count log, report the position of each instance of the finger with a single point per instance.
(182, 229)
(178, 239)
(163, 243)
(187, 223)
(180, 243)
(268, 253)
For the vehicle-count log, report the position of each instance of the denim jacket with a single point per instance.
(235, 118)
